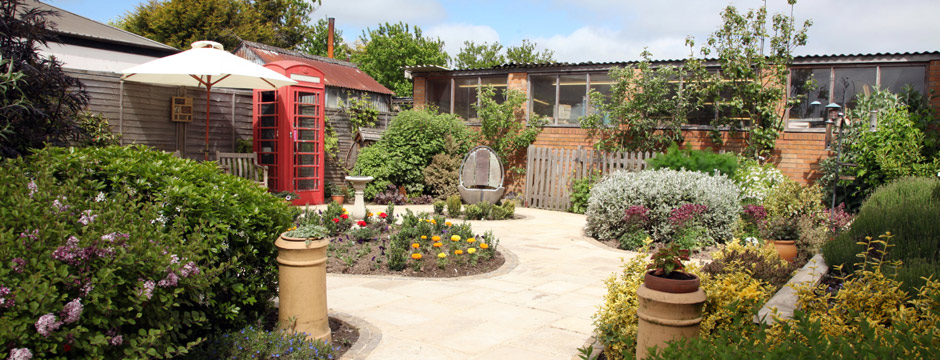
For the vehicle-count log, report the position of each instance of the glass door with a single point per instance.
(266, 145)
(307, 147)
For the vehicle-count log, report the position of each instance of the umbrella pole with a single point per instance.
(208, 92)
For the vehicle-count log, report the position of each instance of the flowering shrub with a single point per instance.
(92, 275)
(756, 180)
(661, 191)
(255, 343)
(235, 220)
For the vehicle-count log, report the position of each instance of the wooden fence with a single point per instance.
(550, 172)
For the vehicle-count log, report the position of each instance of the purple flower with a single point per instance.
(72, 311)
(47, 324)
(32, 189)
(116, 340)
(59, 206)
(68, 252)
(755, 213)
(637, 215)
(189, 269)
(32, 236)
(683, 214)
(87, 288)
(87, 217)
(170, 280)
(18, 264)
(146, 289)
(20, 354)
(4, 301)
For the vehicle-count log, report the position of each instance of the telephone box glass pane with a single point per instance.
(306, 172)
(268, 109)
(269, 134)
(267, 158)
(307, 98)
(267, 96)
(307, 147)
(268, 121)
(307, 159)
(307, 110)
(268, 146)
(306, 184)
(307, 122)
(308, 134)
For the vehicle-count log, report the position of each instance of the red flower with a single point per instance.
(344, 216)
(383, 215)
(361, 223)
(67, 347)
(336, 220)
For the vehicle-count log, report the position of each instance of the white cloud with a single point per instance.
(369, 13)
(455, 34)
(603, 45)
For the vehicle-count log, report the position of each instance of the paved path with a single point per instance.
(539, 309)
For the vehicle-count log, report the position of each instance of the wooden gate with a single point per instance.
(550, 172)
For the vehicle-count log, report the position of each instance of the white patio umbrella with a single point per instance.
(208, 65)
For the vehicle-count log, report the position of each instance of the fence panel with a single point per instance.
(550, 172)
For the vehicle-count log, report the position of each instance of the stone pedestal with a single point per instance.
(359, 185)
(302, 293)
(666, 316)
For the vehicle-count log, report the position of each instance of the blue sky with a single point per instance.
(614, 30)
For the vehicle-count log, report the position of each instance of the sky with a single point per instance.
(614, 30)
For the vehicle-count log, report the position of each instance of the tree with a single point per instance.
(389, 48)
(526, 54)
(39, 100)
(500, 125)
(752, 79)
(473, 56)
(316, 42)
(179, 23)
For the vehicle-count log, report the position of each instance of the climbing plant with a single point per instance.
(501, 127)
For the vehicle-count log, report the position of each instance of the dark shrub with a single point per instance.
(257, 343)
(767, 269)
(241, 220)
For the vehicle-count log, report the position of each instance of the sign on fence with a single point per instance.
(550, 172)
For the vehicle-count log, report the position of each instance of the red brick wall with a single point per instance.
(419, 94)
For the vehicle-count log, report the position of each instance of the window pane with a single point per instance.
(894, 78)
(268, 109)
(268, 121)
(804, 115)
(465, 98)
(310, 184)
(572, 99)
(499, 87)
(600, 83)
(268, 146)
(438, 92)
(543, 96)
(267, 96)
(851, 82)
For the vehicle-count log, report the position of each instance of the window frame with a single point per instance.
(530, 101)
(453, 91)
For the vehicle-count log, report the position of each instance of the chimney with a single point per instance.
(329, 41)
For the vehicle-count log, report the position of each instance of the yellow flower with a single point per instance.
(369, 214)
(345, 211)
(416, 256)
(455, 238)
(437, 244)
(292, 228)
(458, 252)
(424, 237)
(471, 250)
(433, 221)
(415, 245)
(442, 255)
(484, 246)
(448, 223)
(436, 238)
(471, 240)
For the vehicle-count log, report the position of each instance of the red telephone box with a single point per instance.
(289, 130)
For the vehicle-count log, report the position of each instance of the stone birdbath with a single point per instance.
(359, 185)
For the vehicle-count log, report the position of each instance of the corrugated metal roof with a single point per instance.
(336, 73)
(796, 59)
(71, 24)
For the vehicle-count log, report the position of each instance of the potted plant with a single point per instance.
(669, 301)
(330, 190)
(301, 260)
(782, 232)
(339, 194)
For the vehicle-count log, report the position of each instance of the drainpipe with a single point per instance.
(329, 40)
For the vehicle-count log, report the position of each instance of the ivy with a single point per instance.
(361, 112)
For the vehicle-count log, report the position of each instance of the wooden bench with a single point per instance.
(481, 176)
(243, 165)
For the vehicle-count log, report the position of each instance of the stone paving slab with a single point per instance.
(538, 308)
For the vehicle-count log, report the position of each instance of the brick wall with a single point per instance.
(419, 93)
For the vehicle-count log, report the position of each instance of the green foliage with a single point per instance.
(910, 210)
(705, 161)
(760, 262)
(441, 176)
(117, 274)
(790, 200)
(487, 211)
(96, 130)
(439, 207)
(581, 192)
(752, 79)
(316, 42)
(309, 231)
(39, 100)
(255, 343)
(234, 219)
(667, 260)
(454, 203)
(662, 191)
(361, 113)
(390, 47)
(897, 149)
(178, 23)
(756, 180)
(525, 54)
(407, 147)
(500, 128)
(644, 112)
(331, 142)
(244, 146)
(473, 56)
(474, 212)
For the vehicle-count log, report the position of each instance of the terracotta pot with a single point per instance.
(786, 249)
(301, 265)
(339, 199)
(675, 286)
(665, 316)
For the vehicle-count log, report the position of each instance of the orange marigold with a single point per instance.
(436, 238)
(415, 245)
(438, 244)
(416, 256)
(484, 246)
(458, 252)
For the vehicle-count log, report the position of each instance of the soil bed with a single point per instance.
(344, 336)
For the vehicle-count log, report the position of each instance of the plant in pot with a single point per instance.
(783, 233)
(335, 194)
(301, 259)
(665, 271)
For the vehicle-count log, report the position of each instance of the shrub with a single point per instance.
(581, 192)
(910, 210)
(407, 147)
(661, 191)
(441, 175)
(761, 262)
(97, 269)
(258, 343)
(756, 180)
(439, 207)
(454, 203)
(486, 211)
(790, 200)
(705, 161)
(241, 219)
(474, 212)
(390, 196)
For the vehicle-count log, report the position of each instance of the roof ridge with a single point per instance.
(156, 44)
(299, 54)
